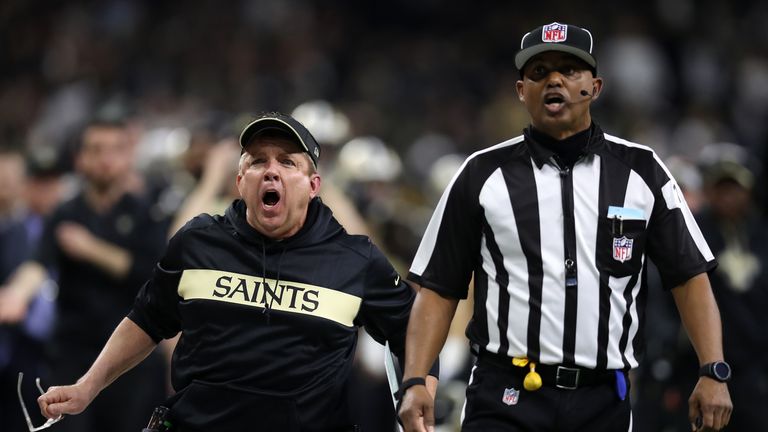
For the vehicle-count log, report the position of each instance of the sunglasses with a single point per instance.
(30, 426)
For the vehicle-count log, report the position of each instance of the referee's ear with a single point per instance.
(597, 87)
(519, 87)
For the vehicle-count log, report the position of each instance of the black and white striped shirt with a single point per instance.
(559, 255)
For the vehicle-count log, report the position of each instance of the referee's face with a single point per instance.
(277, 181)
(557, 89)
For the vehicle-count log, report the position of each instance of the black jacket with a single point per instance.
(87, 293)
(269, 328)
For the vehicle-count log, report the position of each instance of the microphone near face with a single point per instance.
(587, 96)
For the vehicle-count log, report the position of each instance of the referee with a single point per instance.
(555, 225)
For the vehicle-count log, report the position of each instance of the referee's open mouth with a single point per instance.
(554, 102)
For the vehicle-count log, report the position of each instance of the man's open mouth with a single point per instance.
(270, 198)
(553, 99)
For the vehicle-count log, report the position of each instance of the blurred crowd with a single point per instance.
(397, 93)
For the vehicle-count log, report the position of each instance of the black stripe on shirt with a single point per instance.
(477, 330)
(613, 192)
(502, 279)
(521, 185)
(571, 292)
(638, 344)
(627, 320)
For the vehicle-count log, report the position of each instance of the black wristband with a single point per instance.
(410, 382)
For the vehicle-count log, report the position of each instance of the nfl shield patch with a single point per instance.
(511, 396)
(622, 249)
(554, 32)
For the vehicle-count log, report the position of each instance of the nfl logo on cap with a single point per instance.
(554, 32)
(557, 37)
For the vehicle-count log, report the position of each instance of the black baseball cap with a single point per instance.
(286, 124)
(557, 37)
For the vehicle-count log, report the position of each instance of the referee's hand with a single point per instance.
(709, 407)
(417, 410)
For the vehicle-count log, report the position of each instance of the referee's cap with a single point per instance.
(557, 37)
(286, 124)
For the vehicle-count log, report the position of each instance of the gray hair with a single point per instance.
(241, 164)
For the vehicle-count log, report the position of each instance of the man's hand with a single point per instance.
(13, 305)
(21, 287)
(711, 403)
(72, 399)
(221, 161)
(75, 240)
(417, 410)
(81, 244)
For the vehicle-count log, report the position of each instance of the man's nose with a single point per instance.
(554, 78)
(270, 172)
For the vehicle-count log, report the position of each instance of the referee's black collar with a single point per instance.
(542, 155)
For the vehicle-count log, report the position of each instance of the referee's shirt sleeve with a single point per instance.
(450, 246)
(675, 242)
(155, 309)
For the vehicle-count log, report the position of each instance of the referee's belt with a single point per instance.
(559, 376)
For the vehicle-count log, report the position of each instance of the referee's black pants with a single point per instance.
(594, 408)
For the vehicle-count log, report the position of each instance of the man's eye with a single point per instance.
(289, 162)
(538, 72)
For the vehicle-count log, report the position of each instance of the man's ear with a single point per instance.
(519, 88)
(314, 185)
(238, 182)
(597, 87)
